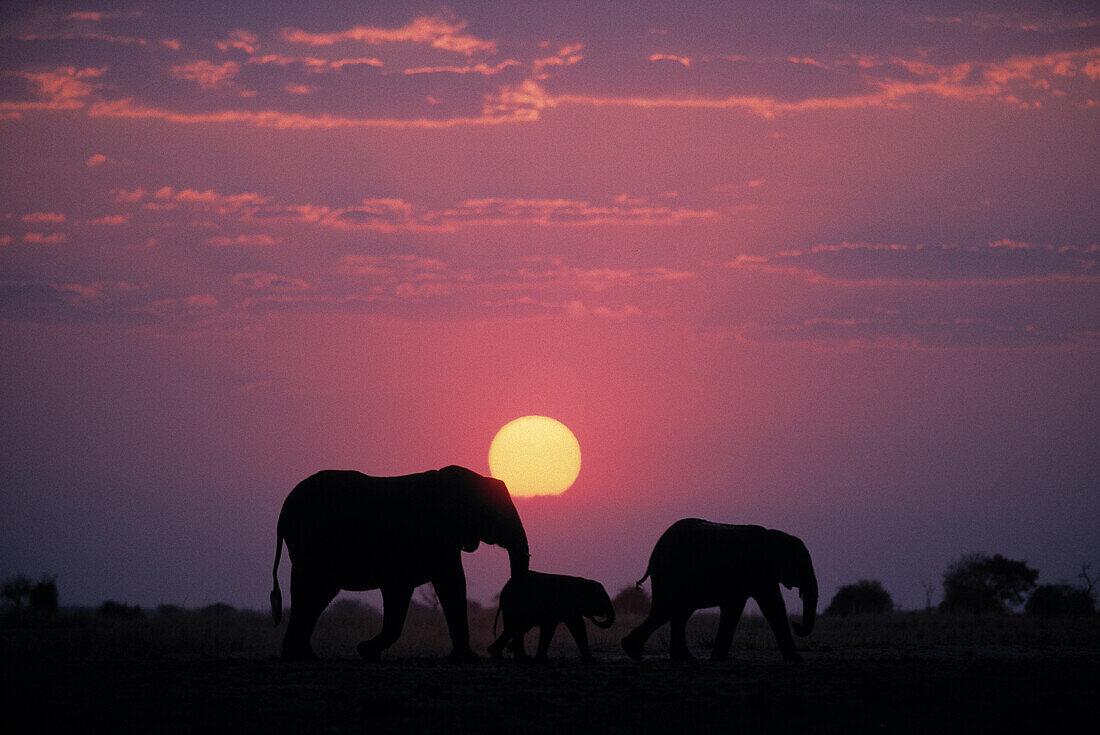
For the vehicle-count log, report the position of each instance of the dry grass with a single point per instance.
(250, 634)
(219, 673)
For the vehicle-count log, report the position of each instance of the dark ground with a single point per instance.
(1044, 684)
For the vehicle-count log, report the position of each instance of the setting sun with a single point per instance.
(535, 455)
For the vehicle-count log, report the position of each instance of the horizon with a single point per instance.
(825, 268)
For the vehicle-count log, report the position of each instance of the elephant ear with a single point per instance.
(461, 506)
(785, 555)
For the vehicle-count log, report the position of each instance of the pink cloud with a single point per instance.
(240, 39)
(248, 240)
(683, 60)
(111, 220)
(43, 217)
(435, 31)
(39, 238)
(126, 109)
(206, 74)
(292, 88)
(264, 280)
(96, 159)
(566, 56)
(484, 69)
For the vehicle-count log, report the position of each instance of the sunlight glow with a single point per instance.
(535, 455)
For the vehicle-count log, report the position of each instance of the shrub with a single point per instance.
(43, 596)
(865, 596)
(630, 600)
(218, 610)
(1052, 600)
(15, 589)
(120, 611)
(978, 583)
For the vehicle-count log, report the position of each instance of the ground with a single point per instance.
(126, 678)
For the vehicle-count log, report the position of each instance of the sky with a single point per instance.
(827, 267)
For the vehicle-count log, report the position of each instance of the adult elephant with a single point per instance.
(349, 531)
(697, 564)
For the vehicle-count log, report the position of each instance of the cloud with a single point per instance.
(241, 40)
(258, 240)
(96, 159)
(484, 69)
(265, 280)
(435, 31)
(113, 220)
(902, 333)
(682, 60)
(315, 64)
(127, 109)
(62, 88)
(207, 74)
(38, 238)
(43, 217)
(397, 215)
(874, 264)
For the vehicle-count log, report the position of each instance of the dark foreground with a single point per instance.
(980, 692)
(63, 681)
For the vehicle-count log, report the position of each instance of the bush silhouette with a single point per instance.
(15, 589)
(978, 583)
(865, 596)
(630, 600)
(1053, 600)
(120, 611)
(43, 596)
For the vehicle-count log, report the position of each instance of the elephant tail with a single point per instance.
(276, 593)
(638, 584)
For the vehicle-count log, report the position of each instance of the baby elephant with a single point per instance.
(533, 598)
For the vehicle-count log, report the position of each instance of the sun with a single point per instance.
(535, 455)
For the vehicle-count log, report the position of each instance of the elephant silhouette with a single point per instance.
(348, 531)
(535, 598)
(697, 564)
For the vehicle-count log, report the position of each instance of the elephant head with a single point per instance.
(484, 511)
(795, 569)
(597, 605)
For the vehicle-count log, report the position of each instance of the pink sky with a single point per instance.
(825, 267)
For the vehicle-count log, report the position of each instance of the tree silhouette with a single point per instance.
(15, 589)
(631, 600)
(977, 583)
(1051, 600)
(43, 596)
(865, 596)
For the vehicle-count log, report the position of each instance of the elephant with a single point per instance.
(697, 564)
(348, 531)
(535, 598)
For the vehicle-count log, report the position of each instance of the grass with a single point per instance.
(193, 671)
(251, 634)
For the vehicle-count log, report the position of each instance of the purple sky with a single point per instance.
(826, 267)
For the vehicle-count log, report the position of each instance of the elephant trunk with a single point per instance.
(809, 608)
(604, 621)
(519, 554)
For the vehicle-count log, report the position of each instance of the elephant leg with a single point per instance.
(635, 641)
(519, 651)
(546, 634)
(496, 648)
(580, 635)
(771, 604)
(727, 624)
(395, 606)
(677, 643)
(309, 596)
(450, 588)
